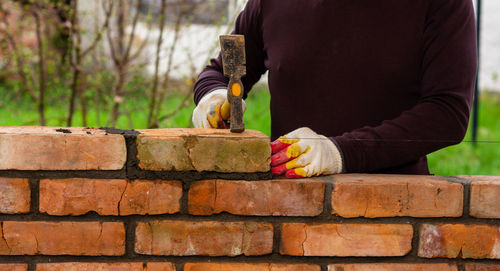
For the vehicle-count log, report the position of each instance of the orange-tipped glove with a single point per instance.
(213, 110)
(303, 153)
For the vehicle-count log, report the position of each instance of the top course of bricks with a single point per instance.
(58, 149)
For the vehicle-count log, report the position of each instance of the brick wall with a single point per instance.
(202, 200)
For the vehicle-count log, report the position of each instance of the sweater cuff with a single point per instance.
(341, 154)
(207, 82)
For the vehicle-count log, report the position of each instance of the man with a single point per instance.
(387, 81)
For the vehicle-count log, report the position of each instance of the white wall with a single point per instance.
(490, 46)
(196, 43)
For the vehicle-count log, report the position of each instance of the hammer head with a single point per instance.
(233, 62)
(233, 55)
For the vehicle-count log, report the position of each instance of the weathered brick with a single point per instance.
(203, 150)
(294, 267)
(459, 241)
(62, 238)
(105, 266)
(159, 267)
(484, 196)
(482, 267)
(109, 197)
(44, 148)
(14, 195)
(13, 267)
(263, 198)
(207, 238)
(80, 196)
(393, 267)
(249, 267)
(396, 195)
(359, 240)
(151, 197)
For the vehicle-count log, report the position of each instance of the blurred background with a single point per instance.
(131, 64)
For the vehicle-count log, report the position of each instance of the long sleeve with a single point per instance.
(248, 24)
(440, 117)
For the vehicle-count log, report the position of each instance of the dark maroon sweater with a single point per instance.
(390, 81)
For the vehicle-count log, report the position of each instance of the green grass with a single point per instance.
(482, 158)
(23, 112)
(135, 116)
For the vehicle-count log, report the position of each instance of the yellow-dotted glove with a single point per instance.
(303, 153)
(213, 110)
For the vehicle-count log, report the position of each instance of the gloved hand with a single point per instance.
(304, 153)
(211, 111)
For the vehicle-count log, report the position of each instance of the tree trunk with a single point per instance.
(72, 99)
(154, 90)
(118, 97)
(42, 71)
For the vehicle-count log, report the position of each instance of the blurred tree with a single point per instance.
(92, 56)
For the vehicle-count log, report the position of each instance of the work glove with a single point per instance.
(213, 110)
(303, 153)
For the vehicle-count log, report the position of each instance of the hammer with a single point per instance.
(233, 62)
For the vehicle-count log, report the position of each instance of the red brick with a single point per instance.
(359, 240)
(249, 267)
(151, 197)
(159, 267)
(201, 198)
(14, 195)
(62, 238)
(262, 198)
(105, 266)
(484, 196)
(13, 267)
(80, 196)
(396, 195)
(44, 148)
(459, 241)
(207, 238)
(393, 267)
(294, 267)
(203, 150)
(482, 267)
(109, 197)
